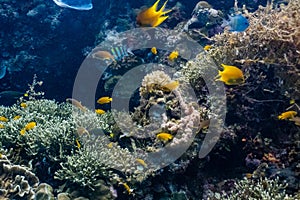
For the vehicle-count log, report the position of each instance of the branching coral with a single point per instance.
(255, 189)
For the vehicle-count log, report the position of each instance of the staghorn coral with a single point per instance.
(17, 182)
(255, 189)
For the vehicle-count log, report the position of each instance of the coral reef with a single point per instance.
(271, 41)
(17, 182)
(255, 189)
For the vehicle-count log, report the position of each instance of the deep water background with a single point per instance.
(39, 37)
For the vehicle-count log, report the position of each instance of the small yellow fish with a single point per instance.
(104, 100)
(3, 119)
(287, 115)
(99, 111)
(164, 136)
(127, 188)
(111, 135)
(170, 86)
(23, 105)
(173, 55)
(248, 175)
(141, 161)
(292, 101)
(1, 126)
(154, 50)
(231, 75)
(76, 103)
(152, 17)
(17, 117)
(30, 126)
(110, 145)
(26, 95)
(207, 47)
(78, 144)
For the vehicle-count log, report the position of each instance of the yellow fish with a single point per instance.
(287, 115)
(154, 50)
(141, 161)
(17, 117)
(30, 126)
(99, 111)
(231, 75)
(170, 86)
(128, 189)
(173, 55)
(152, 17)
(164, 136)
(1, 126)
(78, 144)
(104, 100)
(23, 105)
(207, 47)
(110, 145)
(3, 119)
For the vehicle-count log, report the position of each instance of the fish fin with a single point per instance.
(159, 21)
(154, 7)
(224, 23)
(161, 10)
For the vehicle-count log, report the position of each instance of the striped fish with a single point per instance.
(120, 52)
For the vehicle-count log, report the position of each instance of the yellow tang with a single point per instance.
(231, 75)
(104, 100)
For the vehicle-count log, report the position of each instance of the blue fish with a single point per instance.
(75, 4)
(2, 71)
(237, 23)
